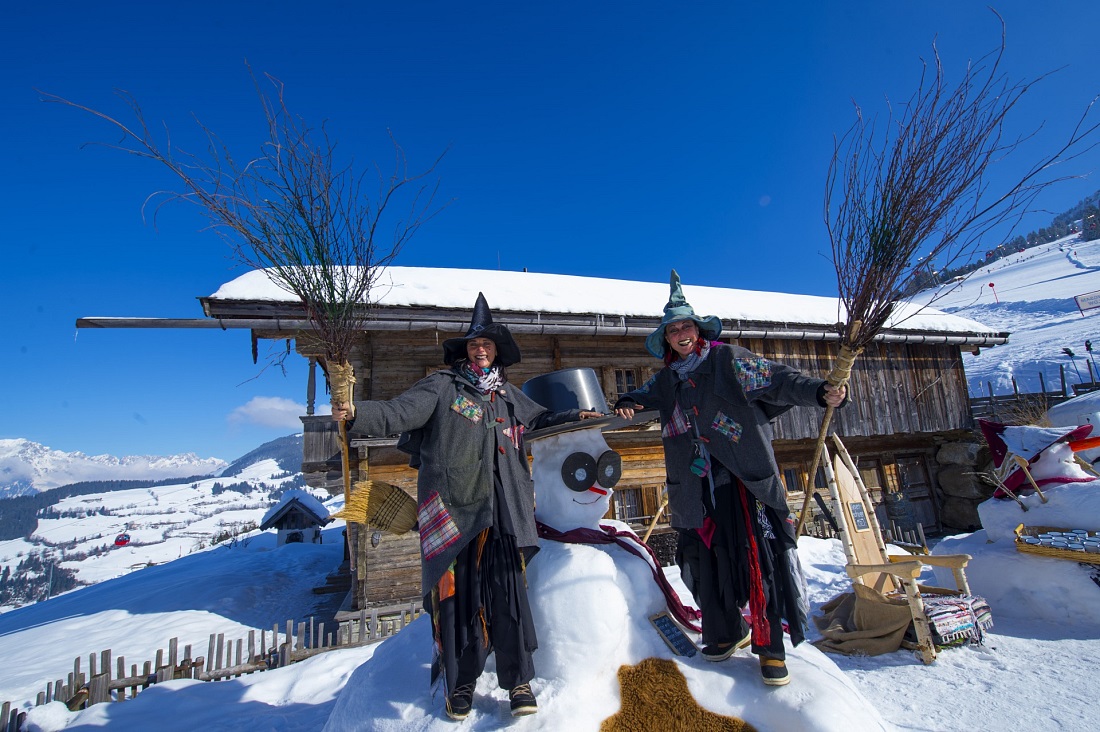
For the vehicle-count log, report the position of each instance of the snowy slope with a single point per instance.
(1030, 295)
(164, 522)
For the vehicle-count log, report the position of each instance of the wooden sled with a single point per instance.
(865, 551)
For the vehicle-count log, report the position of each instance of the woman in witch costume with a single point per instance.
(736, 534)
(464, 427)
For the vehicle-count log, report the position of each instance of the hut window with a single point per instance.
(792, 478)
(628, 504)
(625, 381)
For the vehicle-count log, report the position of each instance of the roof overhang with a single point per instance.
(283, 320)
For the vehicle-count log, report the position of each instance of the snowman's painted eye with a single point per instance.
(578, 472)
(609, 468)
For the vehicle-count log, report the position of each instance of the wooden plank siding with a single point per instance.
(904, 397)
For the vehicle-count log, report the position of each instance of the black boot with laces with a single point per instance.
(460, 702)
(522, 700)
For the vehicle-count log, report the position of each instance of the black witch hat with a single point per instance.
(482, 326)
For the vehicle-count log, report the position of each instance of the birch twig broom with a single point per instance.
(921, 183)
(294, 211)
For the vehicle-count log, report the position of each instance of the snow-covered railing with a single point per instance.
(107, 678)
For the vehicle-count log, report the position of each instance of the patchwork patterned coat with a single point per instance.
(727, 405)
(461, 437)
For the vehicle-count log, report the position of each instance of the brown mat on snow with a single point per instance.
(656, 697)
(862, 622)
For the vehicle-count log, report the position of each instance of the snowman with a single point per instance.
(595, 584)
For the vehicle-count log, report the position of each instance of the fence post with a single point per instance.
(1062, 375)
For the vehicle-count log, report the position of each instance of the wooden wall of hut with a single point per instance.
(896, 388)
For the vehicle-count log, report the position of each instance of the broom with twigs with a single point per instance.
(921, 183)
(296, 212)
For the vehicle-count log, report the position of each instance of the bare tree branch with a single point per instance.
(920, 192)
(293, 209)
(921, 183)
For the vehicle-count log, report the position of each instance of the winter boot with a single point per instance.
(774, 671)
(722, 651)
(460, 702)
(522, 700)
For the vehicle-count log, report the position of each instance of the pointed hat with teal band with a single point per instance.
(678, 309)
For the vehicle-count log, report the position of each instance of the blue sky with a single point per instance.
(600, 139)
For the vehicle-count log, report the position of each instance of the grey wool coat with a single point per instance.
(729, 402)
(462, 437)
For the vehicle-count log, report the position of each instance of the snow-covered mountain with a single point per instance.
(29, 467)
(52, 543)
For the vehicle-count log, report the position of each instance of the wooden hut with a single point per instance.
(298, 517)
(908, 425)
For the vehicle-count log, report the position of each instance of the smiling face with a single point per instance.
(574, 474)
(481, 352)
(681, 336)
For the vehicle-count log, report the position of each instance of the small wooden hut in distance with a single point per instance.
(298, 517)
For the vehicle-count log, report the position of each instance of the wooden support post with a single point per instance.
(173, 655)
(1062, 376)
(926, 646)
(121, 671)
(210, 654)
(311, 386)
(219, 652)
(1042, 384)
(99, 689)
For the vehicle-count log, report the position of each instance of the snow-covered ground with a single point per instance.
(1036, 669)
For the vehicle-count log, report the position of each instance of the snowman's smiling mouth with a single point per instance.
(587, 503)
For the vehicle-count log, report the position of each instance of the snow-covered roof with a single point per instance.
(618, 300)
(307, 502)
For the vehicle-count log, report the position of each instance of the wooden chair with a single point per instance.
(867, 560)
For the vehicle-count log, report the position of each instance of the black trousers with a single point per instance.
(718, 576)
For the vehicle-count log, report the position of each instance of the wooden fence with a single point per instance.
(1002, 407)
(107, 679)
